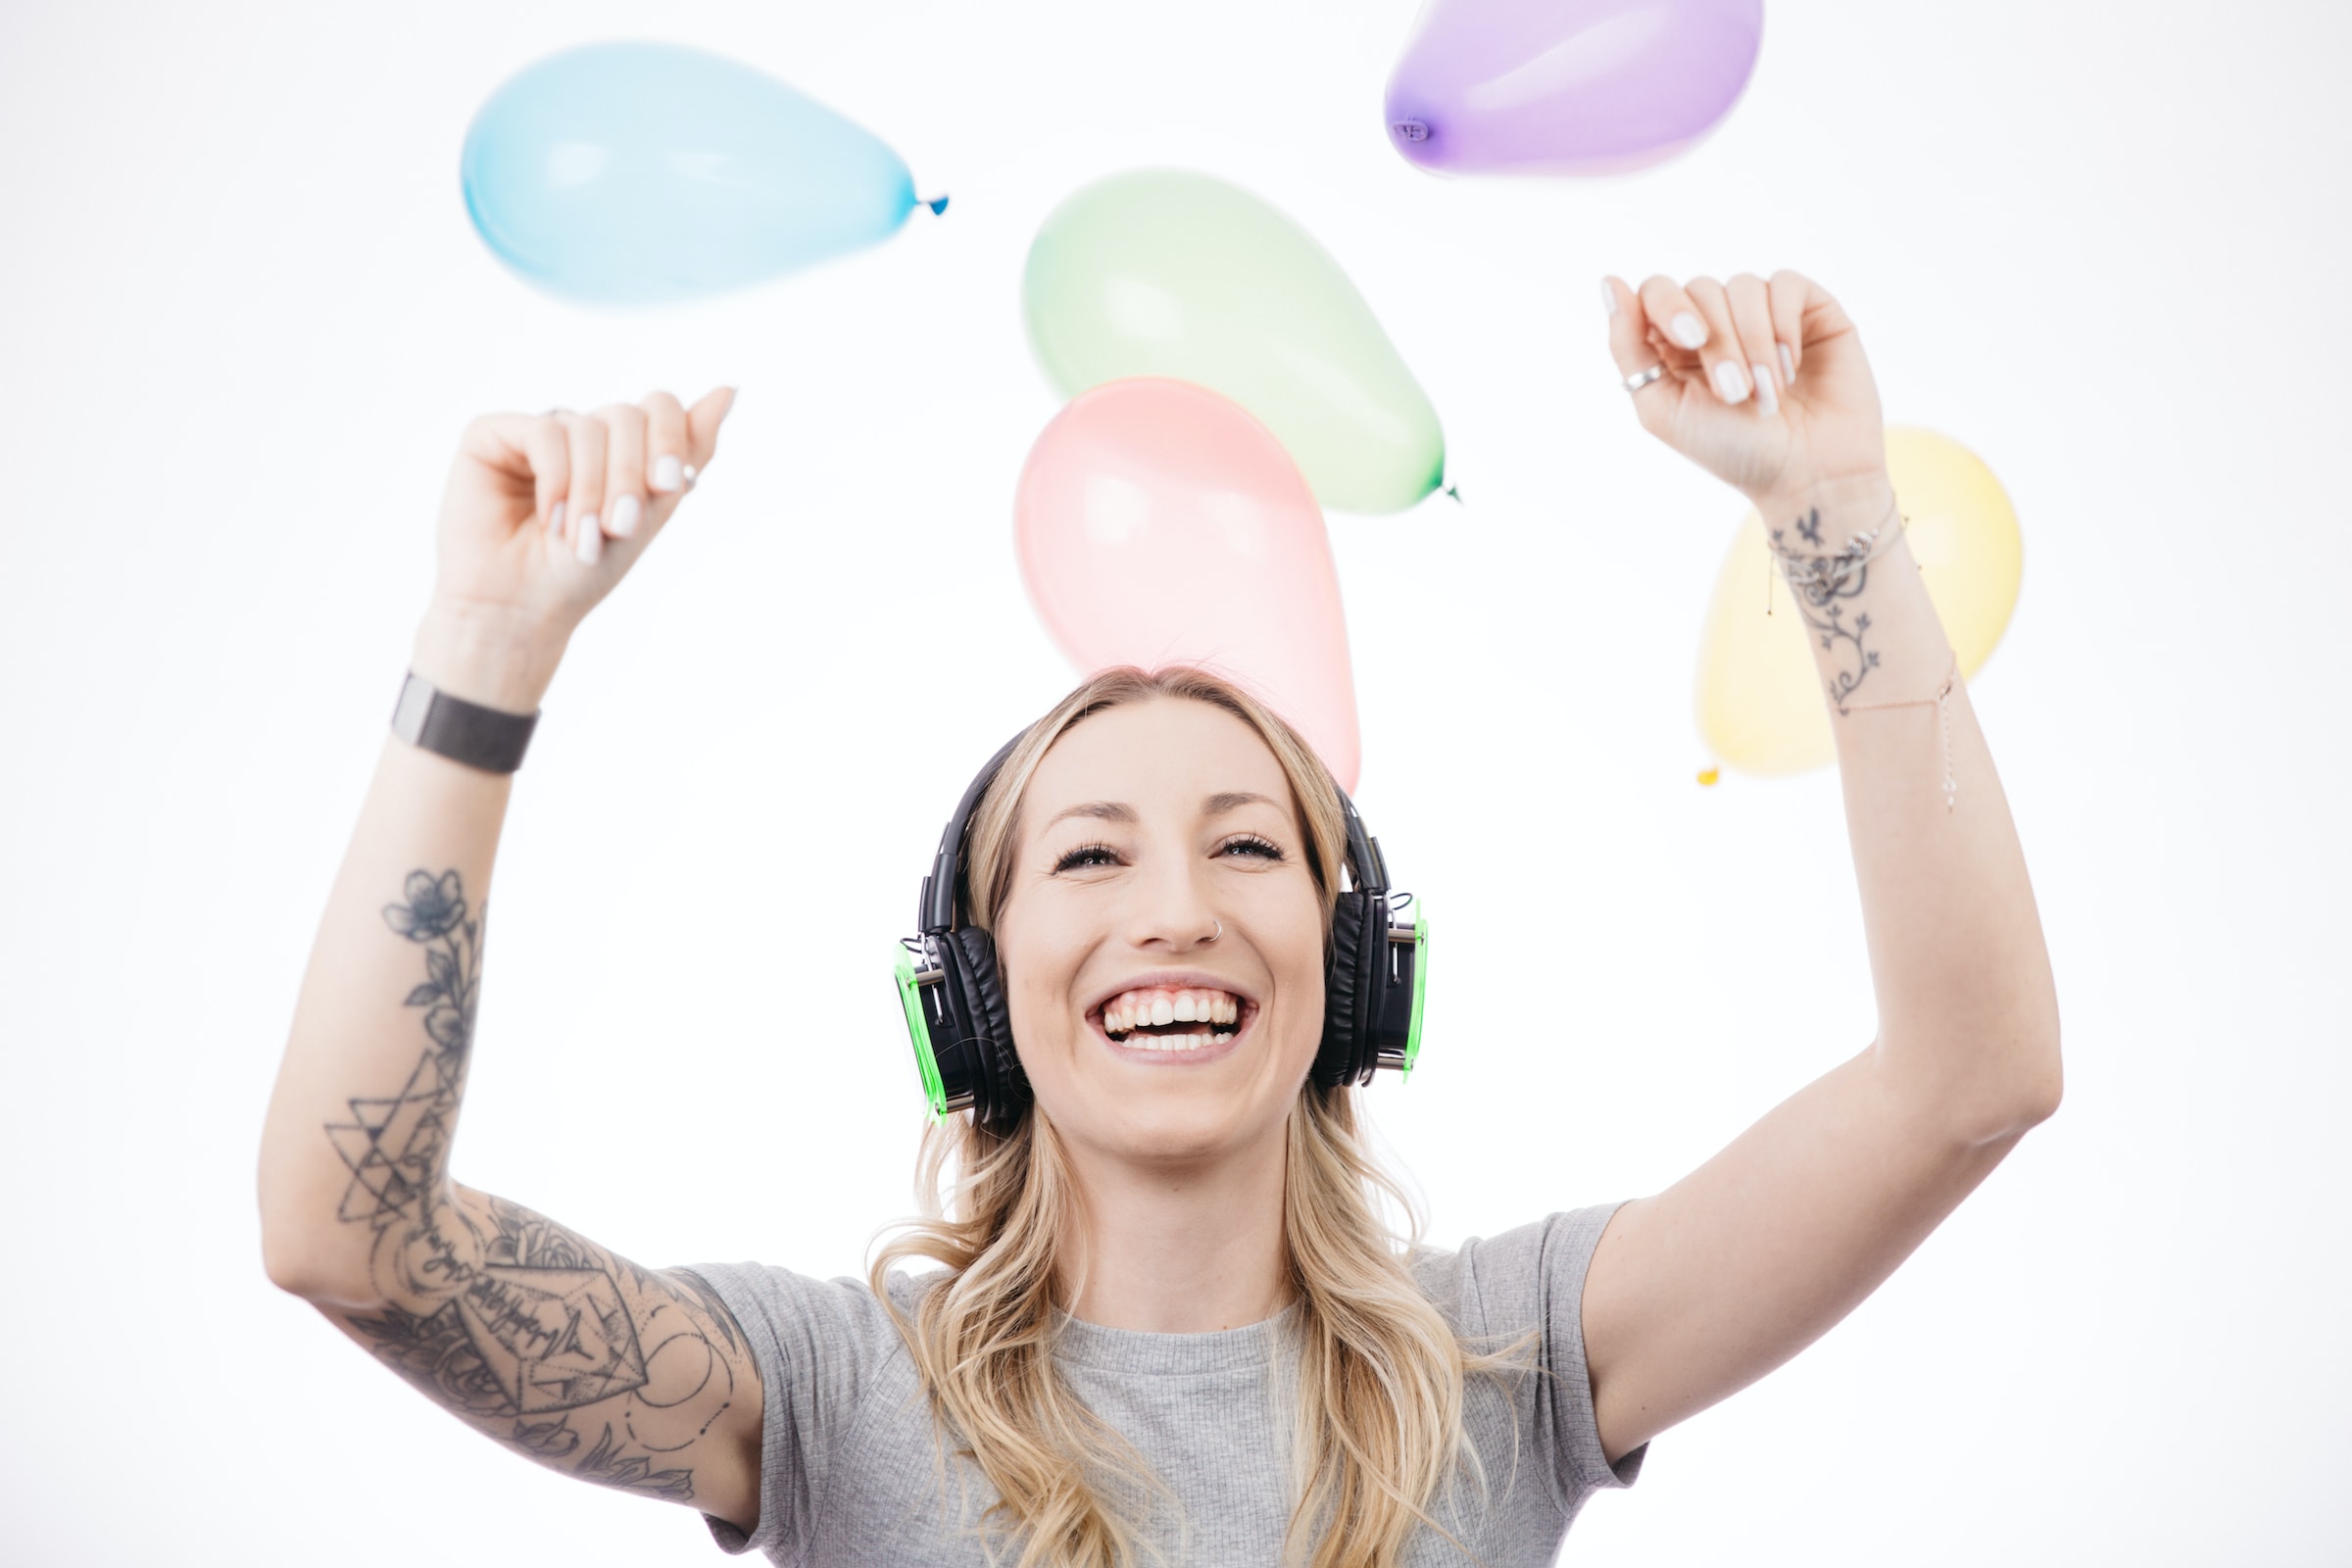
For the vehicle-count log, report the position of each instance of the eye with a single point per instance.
(1085, 857)
(1251, 846)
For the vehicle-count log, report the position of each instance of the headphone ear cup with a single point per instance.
(1345, 1022)
(1003, 1092)
(953, 1035)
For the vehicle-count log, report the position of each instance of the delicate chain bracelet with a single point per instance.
(1821, 579)
(1943, 698)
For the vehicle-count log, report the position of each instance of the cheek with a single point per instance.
(1038, 1027)
(1313, 999)
(1036, 974)
(1299, 980)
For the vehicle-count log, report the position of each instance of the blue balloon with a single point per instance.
(633, 173)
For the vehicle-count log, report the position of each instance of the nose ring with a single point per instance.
(1213, 934)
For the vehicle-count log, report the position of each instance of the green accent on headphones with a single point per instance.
(1413, 1039)
(918, 1030)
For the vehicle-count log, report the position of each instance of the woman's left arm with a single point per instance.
(1700, 1291)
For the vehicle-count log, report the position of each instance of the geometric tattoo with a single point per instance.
(395, 1147)
(525, 1320)
(1817, 583)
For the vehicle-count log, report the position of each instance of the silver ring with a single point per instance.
(1634, 383)
(1213, 934)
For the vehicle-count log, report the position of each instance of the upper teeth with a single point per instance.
(1154, 1007)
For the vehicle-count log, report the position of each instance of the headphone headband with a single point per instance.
(936, 913)
(1365, 866)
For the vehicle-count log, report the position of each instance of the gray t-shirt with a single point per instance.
(852, 1470)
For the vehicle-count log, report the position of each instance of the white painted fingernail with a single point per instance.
(1787, 364)
(1768, 402)
(1608, 296)
(666, 474)
(555, 519)
(625, 513)
(1687, 330)
(1731, 384)
(592, 539)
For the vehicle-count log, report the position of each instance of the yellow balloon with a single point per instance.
(1762, 705)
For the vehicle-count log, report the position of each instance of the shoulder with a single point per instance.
(800, 1319)
(828, 1358)
(1529, 1277)
(1518, 1297)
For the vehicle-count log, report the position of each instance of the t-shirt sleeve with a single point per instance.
(815, 1343)
(1499, 1288)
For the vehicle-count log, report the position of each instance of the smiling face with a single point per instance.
(1145, 1033)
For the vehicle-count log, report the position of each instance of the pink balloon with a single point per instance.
(1159, 524)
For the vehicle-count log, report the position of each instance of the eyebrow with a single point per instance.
(1232, 800)
(1121, 812)
(1105, 811)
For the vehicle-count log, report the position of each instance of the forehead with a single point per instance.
(1167, 753)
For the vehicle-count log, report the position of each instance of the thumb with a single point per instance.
(1629, 328)
(703, 421)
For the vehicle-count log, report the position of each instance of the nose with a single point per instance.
(1168, 909)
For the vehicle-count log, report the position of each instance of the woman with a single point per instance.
(1169, 1325)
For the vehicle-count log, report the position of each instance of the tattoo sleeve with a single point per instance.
(555, 1347)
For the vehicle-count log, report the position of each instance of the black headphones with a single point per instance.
(1372, 995)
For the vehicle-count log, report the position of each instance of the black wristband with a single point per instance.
(488, 738)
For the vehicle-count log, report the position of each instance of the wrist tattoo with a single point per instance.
(1818, 581)
(496, 1312)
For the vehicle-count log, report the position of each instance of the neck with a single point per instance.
(1179, 1249)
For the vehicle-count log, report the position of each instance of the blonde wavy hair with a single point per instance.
(1379, 1428)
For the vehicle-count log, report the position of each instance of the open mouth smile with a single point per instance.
(1174, 1022)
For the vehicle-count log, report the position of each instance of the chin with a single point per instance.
(1173, 1126)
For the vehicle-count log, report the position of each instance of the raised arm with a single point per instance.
(1704, 1288)
(542, 1340)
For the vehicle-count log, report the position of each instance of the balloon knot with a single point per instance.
(937, 204)
(1453, 493)
(1708, 775)
(1410, 130)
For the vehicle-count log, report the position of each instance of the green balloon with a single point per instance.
(1159, 271)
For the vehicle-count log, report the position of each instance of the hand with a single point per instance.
(542, 516)
(1766, 386)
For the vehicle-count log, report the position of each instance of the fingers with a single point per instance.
(1677, 331)
(1751, 324)
(1629, 342)
(1744, 338)
(527, 453)
(583, 506)
(618, 472)
(1726, 368)
(1788, 293)
(548, 445)
(625, 468)
(1630, 345)
(667, 445)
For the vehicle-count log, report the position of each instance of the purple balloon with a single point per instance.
(1567, 87)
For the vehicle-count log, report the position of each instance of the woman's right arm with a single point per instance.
(559, 1349)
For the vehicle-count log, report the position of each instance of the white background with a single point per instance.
(243, 318)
